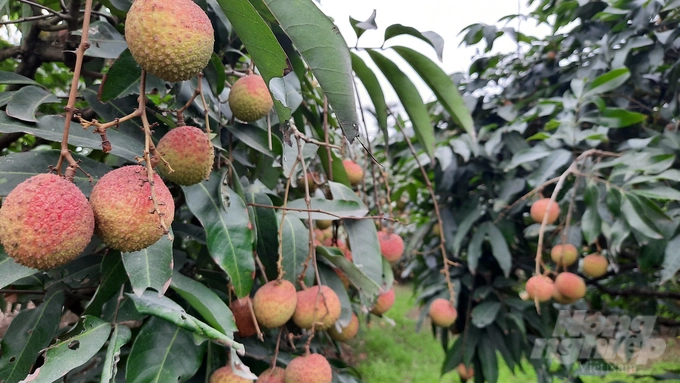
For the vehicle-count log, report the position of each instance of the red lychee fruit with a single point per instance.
(189, 153)
(45, 222)
(539, 208)
(171, 39)
(570, 285)
(312, 368)
(226, 375)
(272, 375)
(541, 287)
(384, 302)
(124, 212)
(564, 255)
(595, 265)
(249, 98)
(327, 310)
(465, 372)
(391, 245)
(274, 303)
(559, 298)
(354, 172)
(442, 312)
(345, 333)
(241, 308)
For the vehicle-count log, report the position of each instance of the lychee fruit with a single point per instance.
(272, 375)
(249, 98)
(465, 372)
(124, 212)
(539, 208)
(274, 303)
(595, 265)
(241, 308)
(391, 245)
(345, 333)
(564, 255)
(539, 287)
(312, 368)
(171, 39)
(226, 375)
(354, 172)
(327, 310)
(189, 153)
(559, 298)
(570, 285)
(323, 224)
(45, 222)
(442, 312)
(384, 302)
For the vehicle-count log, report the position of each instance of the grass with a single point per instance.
(387, 354)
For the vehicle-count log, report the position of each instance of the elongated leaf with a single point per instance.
(363, 240)
(659, 192)
(550, 165)
(487, 357)
(206, 302)
(324, 49)
(120, 336)
(123, 79)
(432, 38)
(72, 352)
(150, 267)
(29, 333)
(591, 222)
(442, 86)
(229, 237)
(368, 287)
(614, 118)
(475, 248)
(260, 42)
(295, 247)
(671, 260)
(485, 313)
(340, 208)
(410, 99)
(162, 352)
(13, 78)
(527, 155)
(267, 225)
(26, 101)
(499, 247)
(607, 82)
(105, 41)
(113, 276)
(256, 138)
(163, 307)
(11, 271)
(464, 227)
(337, 170)
(331, 279)
(375, 92)
(636, 220)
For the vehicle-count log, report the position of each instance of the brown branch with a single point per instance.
(284, 208)
(8, 52)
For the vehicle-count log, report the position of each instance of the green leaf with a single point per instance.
(5, 97)
(636, 219)
(614, 118)
(28, 334)
(410, 99)
(524, 156)
(442, 86)
(464, 227)
(287, 90)
(432, 38)
(659, 192)
(362, 26)
(340, 208)
(549, 166)
(257, 138)
(671, 260)
(11, 271)
(163, 307)
(121, 335)
(368, 287)
(295, 247)
(485, 313)
(375, 92)
(229, 237)
(331, 279)
(15, 168)
(487, 357)
(338, 172)
(74, 351)
(475, 248)
(267, 226)
(150, 267)
(105, 41)
(11, 78)
(324, 49)
(123, 79)
(162, 352)
(215, 74)
(499, 247)
(591, 222)
(363, 239)
(206, 302)
(606, 82)
(113, 276)
(26, 102)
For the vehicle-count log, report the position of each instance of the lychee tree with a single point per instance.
(212, 148)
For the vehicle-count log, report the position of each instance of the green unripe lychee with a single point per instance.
(45, 222)
(249, 98)
(124, 212)
(190, 154)
(171, 39)
(312, 368)
(274, 303)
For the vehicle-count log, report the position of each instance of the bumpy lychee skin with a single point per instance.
(312, 368)
(595, 265)
(541, 287)
(189, 153)
(354, 172)
(539, 208)
(442, 312)
(384, 302)
(249, 98)
(345, 333)
(272, 375)
(171, 39)
(570, 285)
(274, 303)
(242, 316)
(391, 245)
(45, 222)
(123, 208)
(327, 312)
(226, 375)
(564, 255)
